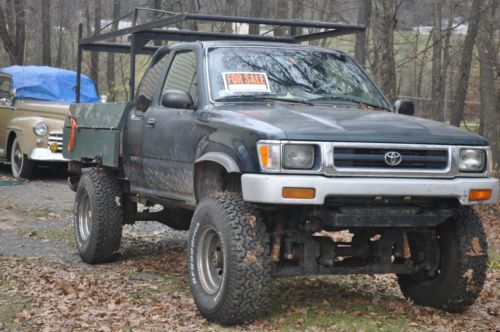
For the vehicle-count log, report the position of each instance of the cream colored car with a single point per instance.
(31, 128)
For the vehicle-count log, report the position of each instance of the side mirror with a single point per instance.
(176, 99)
(405, 107)
(12, 93)
(141, 103)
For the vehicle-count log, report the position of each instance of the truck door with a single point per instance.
(135, 125)
(169, 134)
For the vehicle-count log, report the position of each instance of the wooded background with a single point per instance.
(442, 54)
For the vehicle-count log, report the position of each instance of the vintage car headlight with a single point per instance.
(40, 128)
(269, 156)
(471, 160)
(298, 156)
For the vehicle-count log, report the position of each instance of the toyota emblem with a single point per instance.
(393, 158)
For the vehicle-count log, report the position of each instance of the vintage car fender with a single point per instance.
(22, 127)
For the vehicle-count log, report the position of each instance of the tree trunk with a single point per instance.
(487, 59)
(19, 9)
(437, 79)
(94, 56)
(465, 64)
(281, 13)
(297, 14)
(383, 42)
(156, 5)
(60, 37)
(195, 8)
(364, 13)
(110, 61)
(255, 11)
(46, 32)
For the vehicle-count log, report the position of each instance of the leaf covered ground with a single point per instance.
(45, 287)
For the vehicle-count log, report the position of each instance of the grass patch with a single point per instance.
(324, 303)
(494, 261)
(65, 235)
(10, 306)
(176, 284)
(41, 214)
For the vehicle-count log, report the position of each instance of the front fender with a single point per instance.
(22, 127)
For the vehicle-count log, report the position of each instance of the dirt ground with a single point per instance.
(45, 286)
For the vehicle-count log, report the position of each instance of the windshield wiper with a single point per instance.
(265, 98)
(349, 99)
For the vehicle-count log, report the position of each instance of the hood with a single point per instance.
(43, 108)
(346, 124)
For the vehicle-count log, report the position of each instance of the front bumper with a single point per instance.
(264, 188)
(41, 154)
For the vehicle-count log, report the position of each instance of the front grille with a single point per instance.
(56, 137)
(361, 157)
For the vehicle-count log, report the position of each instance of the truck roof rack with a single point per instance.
(159, 30)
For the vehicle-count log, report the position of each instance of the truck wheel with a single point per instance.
(462, 266)
(228, 259)
(20, 164)
(98, 216)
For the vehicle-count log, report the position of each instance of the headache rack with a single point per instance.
(161, 30)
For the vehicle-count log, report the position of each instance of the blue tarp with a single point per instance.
(48, 83)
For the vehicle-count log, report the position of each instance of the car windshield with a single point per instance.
(295, 75)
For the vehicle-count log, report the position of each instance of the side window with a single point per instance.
(151, 77)
(182, 75)
(5, 87)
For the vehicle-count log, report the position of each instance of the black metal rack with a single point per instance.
(142, 34)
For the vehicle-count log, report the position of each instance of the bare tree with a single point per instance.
(437, 78)
(383, 40)
(281, 12)
(364, 13)
(46, 27)
(489, 94)
(94, 57)
(110, 61)
(465, 64)
(255, 11)
(13, 30)
(297, 13)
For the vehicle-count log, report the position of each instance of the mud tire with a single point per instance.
(244, 287)
(463, 258)
(101, 190)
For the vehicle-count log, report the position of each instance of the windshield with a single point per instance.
(308, 76)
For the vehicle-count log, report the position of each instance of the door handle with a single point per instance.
(151, 122)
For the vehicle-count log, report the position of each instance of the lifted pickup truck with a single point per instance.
(264, 150)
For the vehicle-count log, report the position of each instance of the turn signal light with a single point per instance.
(54, 147)
(479, 194)
(299, 193)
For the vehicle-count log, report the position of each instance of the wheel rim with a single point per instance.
(210, 261)
(85, 217)
(17, 159)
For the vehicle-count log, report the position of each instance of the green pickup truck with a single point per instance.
(264, 148)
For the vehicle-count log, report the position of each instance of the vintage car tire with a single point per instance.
(21, 166)
(98, 216)
(228, 239)
(463, 264)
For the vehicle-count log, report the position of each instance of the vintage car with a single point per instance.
(33, 103)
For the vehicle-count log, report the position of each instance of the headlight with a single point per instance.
(269, 156)
(471, 160)
(40, 128)
(298, 156)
